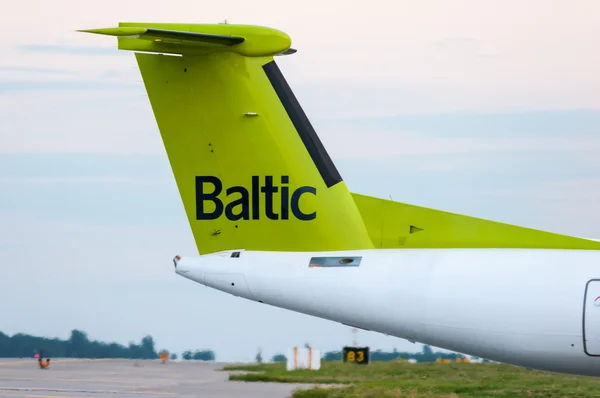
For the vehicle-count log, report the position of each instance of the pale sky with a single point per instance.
(487, 108)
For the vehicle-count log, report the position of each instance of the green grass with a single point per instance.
(399, 379)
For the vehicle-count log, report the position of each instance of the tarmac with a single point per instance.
(124, 378)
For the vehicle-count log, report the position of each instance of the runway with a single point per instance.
(128, 378)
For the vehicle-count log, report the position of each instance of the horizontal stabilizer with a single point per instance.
(394, 225)
(169, 36)
(197, 39)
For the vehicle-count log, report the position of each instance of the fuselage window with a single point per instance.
(322, 262)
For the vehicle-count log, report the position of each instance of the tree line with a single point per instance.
(78, 345)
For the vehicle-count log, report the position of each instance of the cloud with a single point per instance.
(75, 180)
(382, 144)
(431, 57)
(580, 189)
(73, 241)
(68, 49)
(461, 47)
(62, 86)
(91, 190)
(84, 166)
(498, 123)
(453, 41)
(36, 70)
(569, 203)
(84, 121)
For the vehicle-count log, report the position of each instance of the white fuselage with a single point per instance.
(530, 308)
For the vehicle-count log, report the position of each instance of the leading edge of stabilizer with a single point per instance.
(178, 38)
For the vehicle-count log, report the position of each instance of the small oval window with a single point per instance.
(346, 260)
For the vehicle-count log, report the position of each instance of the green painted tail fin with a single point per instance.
(250, 169)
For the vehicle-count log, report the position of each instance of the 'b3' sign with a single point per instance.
(359, 355)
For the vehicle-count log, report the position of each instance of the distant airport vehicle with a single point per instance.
(274, 222)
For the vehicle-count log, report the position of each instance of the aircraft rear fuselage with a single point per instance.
(530, 308)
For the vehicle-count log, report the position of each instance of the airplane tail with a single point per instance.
(250, 169)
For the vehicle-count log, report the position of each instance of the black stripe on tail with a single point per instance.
(307, 133)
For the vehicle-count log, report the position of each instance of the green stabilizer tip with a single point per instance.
(124, 31)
